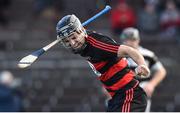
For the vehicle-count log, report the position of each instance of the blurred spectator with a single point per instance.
(10, 97)
(170, 19)
(122, 16)
(48, 8)
(153, 2)
(101, 3)
(177, 3)
(162, 4)
(40, 5)
(4, 5)
(148, 19)
(59, 5)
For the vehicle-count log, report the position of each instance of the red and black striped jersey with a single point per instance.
(101, 53)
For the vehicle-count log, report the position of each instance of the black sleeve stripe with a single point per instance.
(103, 46)
(151, 60)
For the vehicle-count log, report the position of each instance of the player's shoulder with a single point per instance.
(100, 36)
(95, 34)
(146, 52)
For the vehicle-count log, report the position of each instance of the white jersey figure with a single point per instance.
(130, 36)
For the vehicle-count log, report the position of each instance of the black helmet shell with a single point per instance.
(67, 25)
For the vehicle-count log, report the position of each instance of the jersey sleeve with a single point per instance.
(103, 46)
(155, 64)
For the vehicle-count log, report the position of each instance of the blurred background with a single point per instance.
(61, 81)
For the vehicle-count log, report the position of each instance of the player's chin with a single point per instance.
(78, 46)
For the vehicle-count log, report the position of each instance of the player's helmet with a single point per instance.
(130, 33)
(67, 25)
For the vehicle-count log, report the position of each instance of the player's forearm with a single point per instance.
(142, 68)
(158, 77)
(133, 53)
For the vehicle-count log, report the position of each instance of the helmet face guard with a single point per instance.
(66, 27)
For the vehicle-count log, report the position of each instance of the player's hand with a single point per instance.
(149, 89)
(142, 70)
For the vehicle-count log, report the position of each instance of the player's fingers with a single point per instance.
(145, 70)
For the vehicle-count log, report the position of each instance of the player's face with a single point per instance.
(132, 43)
(75, 40)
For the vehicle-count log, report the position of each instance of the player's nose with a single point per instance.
(72, 42)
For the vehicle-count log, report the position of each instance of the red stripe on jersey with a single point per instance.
(114, 69)
(99, 65)
(101, 45)
(106, 49)
(122, 82)
(111, 93)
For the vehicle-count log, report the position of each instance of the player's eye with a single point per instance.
(66, 42)
(73, 38)
(78, 31)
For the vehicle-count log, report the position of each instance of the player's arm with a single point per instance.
(159, 75)
(124, 51)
